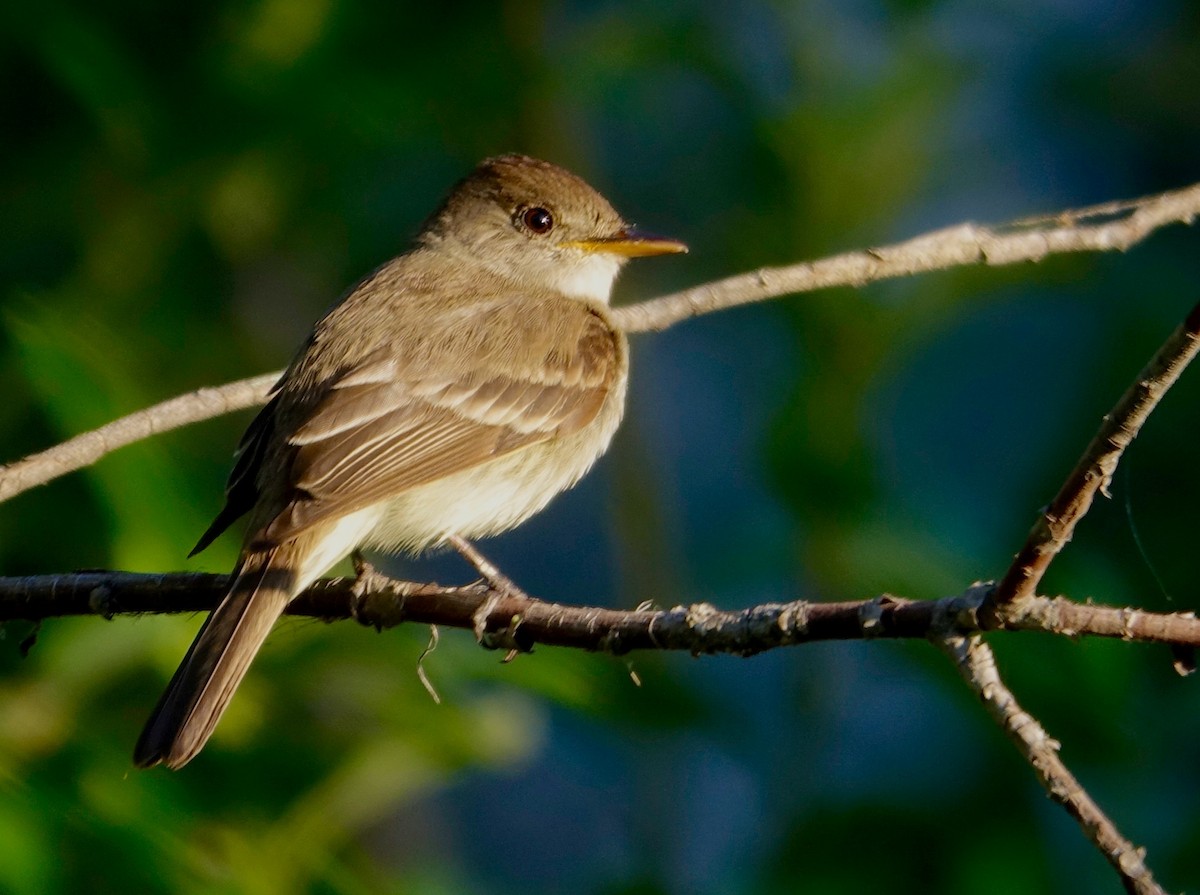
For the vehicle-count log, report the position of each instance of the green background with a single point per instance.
(186, 187)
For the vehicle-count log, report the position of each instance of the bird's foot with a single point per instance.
(499, 587)
(367, 580)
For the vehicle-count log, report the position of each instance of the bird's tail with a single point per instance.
(218, 659)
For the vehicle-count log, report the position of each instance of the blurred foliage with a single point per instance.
(186, 188)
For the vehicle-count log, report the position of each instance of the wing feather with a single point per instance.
(387, 425)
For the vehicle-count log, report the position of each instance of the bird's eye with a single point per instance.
(537, 219)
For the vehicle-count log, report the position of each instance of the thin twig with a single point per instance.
(1101, 228)
(977, 664)
(85, 449)
(1095, 468)
(1114, 225)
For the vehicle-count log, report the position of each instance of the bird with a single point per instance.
(449, 395)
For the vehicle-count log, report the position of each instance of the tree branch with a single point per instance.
(1100, 228)
(1094, 471)
(1114, 225)
(520, 623)
(84, 450)
(977, 664)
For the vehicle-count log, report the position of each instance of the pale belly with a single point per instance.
(491, 498)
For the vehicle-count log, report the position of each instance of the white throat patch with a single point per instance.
(591, 278)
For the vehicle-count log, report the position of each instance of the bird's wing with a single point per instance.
(241, 491)
(388, 425)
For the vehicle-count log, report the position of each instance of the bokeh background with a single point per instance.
(185, 188)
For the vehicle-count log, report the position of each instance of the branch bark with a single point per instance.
(521, 622)
(84, 450)
(977, 664)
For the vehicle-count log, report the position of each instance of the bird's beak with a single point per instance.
(629, 243)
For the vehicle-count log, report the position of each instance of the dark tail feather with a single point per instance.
(229, 514)
(217, 661)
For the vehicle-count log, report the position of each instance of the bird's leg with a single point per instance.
(487, 570)
(499, 584)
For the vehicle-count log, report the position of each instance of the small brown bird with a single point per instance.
(451, 393)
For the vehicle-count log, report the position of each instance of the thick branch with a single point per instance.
(1095, 468)
(520, 623)
(977, 665)
(1115, 225)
